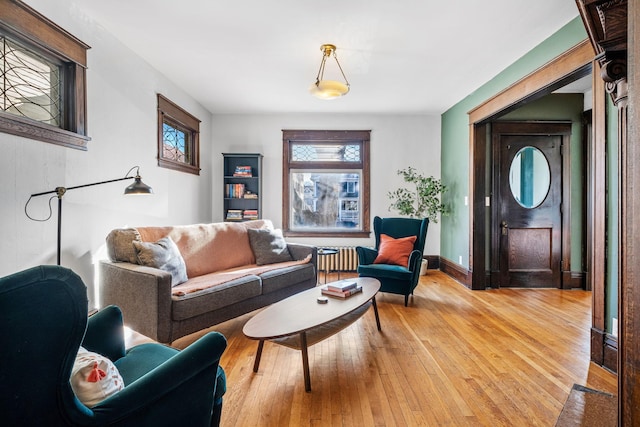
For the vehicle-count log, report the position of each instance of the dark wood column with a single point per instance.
(606, 23)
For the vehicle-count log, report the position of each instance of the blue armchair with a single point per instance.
(397, 279)
(43, 319)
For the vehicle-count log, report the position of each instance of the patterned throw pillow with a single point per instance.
(94, 378)
(268, 246)
(395, 251)
(165, 255)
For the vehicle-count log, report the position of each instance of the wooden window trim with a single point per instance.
(22, 23)
(174, 114)
(315, 136)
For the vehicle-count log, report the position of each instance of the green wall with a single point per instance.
(454, 240)
(566, 107)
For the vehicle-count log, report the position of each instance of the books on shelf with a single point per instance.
(234, 215)
(243, 171)
(250, 214)
(342, 285)
(340, 294)
(249, 194)
(234, 191)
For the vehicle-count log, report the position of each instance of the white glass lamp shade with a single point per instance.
(328, 89)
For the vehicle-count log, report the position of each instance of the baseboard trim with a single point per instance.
(456, 271)
(573, 280)
(611, 353)
(433, 261)
(604, 350)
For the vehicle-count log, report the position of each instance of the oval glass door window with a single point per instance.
(529, 177)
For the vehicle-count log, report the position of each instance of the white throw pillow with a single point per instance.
(165, 255)
(94, 378)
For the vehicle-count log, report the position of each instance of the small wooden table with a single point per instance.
(300, 321)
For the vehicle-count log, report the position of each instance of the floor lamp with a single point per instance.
(138, 187)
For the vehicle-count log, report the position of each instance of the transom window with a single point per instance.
(326, 183)
(178, 138)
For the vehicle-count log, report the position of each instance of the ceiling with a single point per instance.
(260, 56)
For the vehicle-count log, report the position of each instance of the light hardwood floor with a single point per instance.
(454, 357)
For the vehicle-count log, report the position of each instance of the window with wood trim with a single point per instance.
(178, 138)
(42, 78)
(325, 183)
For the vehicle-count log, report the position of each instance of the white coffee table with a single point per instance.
(300, 321)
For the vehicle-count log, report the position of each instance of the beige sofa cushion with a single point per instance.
(207, 248)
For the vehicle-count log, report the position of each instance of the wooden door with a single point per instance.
(527, 218)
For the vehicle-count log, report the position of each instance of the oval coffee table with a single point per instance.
(300, 321)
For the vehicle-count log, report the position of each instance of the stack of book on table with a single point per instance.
(341, 289)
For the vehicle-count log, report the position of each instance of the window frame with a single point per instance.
(311, 137)
(22, 24)
(172, 114)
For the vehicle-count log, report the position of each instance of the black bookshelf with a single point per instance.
(242, 188)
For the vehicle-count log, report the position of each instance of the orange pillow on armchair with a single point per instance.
(395, 251)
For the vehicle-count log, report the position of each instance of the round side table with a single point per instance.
(323, 252)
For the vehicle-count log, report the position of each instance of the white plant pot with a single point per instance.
(423, 267)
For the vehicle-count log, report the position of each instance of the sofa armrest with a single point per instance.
(300, 251)
(142, 293)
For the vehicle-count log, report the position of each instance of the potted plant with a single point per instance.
(422, 200)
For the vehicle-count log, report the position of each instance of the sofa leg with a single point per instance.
(406, 300)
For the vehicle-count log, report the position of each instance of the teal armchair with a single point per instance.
(396, 279)
(43, 319)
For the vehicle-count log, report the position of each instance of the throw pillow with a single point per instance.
(94, 378)
(395, 251)
(268, 246)
(119, 245)
(165, 255)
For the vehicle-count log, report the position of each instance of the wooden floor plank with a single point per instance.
(454, 357)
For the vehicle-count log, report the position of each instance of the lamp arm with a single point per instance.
(60, 191)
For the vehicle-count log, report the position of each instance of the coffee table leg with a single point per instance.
(375, 310)
(305, 361)
(256, 363)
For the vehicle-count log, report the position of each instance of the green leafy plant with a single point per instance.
(423, 200)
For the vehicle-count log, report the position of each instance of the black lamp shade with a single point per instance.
(138, 187)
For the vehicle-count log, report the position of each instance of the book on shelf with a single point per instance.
(234, 191)
(250, 214)
(342, 285)
(234, 214)
(243, 171)
(250, 194)
(344, 294)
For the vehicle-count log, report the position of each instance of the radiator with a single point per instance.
(345, 260)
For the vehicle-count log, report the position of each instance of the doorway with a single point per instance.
(527, 223)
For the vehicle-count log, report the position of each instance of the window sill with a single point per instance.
(31, 129)
(182, 167)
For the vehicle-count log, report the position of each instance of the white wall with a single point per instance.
(122, 118)
(122, 123)
(396, 142)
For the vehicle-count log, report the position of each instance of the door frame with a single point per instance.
(572, 64)
(555, 128)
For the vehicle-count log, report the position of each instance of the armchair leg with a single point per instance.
(216, 414)
(406, 300)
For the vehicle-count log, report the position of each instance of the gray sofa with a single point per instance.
(224, 280)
